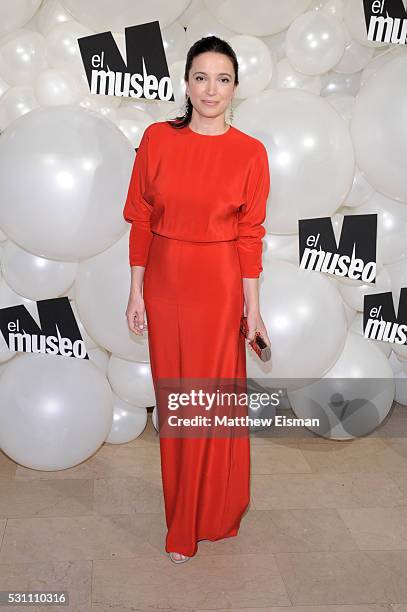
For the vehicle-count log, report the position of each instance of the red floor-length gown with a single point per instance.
(196, 204)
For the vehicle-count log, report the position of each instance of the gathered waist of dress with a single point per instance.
(197, 242)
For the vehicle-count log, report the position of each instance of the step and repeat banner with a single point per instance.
(323, 85)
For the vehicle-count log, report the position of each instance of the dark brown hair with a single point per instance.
(207, 43)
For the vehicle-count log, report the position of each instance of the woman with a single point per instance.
(196, 202)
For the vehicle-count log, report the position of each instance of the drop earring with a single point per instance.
(186, 105)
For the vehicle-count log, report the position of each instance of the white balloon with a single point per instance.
(63, 49)
(49, 15)
(310, 154)
(355, 56)
(315, 43)
(132, 381)
(17, 101)
(335, 8)
(36, 278)
(68, 205)
(54, 87)
(104, 15)
(129, 422)
(336, 83)
(379, 129)
(102, 291)
(305, 319)
(14, 14)
(255, 65)
(353, 397)
(353, 294)
(285, 76)
(23, 55)
(258, 17)
(62, 417)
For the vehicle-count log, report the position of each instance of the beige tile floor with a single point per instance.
(326, 530)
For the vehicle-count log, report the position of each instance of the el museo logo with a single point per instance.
(58, 335)
(386, 21)
(144, 76)
(354, 257)
(379, 317)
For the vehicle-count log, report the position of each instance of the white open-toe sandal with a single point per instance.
(178, 560)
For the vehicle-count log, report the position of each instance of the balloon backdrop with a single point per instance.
(329, 106)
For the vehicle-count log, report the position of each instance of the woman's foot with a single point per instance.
(178, 557)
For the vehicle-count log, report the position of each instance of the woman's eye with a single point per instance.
(225, 79)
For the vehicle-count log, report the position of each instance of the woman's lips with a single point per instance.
(209, 103)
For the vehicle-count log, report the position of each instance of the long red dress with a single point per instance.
(196, 204)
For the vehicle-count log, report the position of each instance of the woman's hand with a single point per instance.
(135, 314)
(256, 323)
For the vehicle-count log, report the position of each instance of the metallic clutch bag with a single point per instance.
(258, 344)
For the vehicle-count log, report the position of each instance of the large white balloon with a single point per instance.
(305, 318)
(35, 277)
(61, 417)
(354, 397)
(23, 55)
(102, 290)
(104, 15)
(64, 175)
(310, 154)
(257, 17)
(379, 129)
(315, 43)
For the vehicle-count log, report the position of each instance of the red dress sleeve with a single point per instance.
(137, 210)
(251, 216)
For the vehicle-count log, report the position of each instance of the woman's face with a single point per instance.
(211, 78)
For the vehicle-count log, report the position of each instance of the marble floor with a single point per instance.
(326, 530)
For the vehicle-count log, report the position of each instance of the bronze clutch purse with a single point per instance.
(258, 344)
